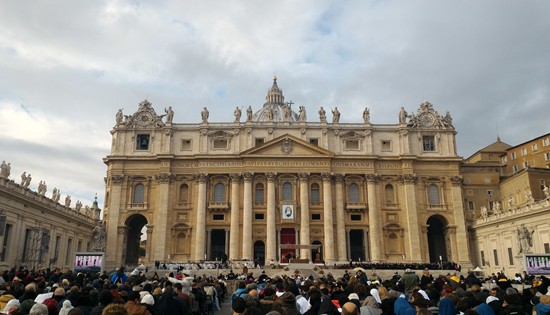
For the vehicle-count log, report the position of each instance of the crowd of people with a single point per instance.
(53, 292)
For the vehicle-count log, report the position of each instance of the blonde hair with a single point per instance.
(383, 292)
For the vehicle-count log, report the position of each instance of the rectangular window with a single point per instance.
(482, 254)
(546, 141)
(495, 256)
(5, 247)
(69, 250)
(315, 216)
(490, 193)
(314, 141)
(471, 205)
(534, 147)
(142, 142)
(186, 145)
(220, 144)
(79, 246)
(428, 143)
(513, 156)
(352, 145)
(386, 145)
(258, 216)
(525, 164)
(547, 248)
(218, 217)
(355, 217)
(523, 152)
(515, 168)
(487, 180)
(510, 256)
(504, 160)
(547, 156)
(259, 141)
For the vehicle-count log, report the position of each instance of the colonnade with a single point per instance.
(335, 243)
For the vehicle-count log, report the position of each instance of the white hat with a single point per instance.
(148, 299)
(11, 303)
(353, 296)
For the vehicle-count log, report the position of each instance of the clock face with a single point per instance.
(144, 118)
(427, 119)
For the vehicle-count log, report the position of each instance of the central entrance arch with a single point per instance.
(437, 238)
(134, 226)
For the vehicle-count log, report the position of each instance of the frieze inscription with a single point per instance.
(270, 163)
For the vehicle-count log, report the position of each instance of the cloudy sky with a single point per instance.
(66, 67)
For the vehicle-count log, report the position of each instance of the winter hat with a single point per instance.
(148, 299)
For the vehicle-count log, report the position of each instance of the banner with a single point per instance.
(287, 212)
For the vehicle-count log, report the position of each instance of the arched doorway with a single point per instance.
(134, 226)
(316, 253)
(259, 252)
(437, 238)
(288, 236)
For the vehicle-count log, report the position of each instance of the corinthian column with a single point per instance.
(328, 220)
(340, 218)
(200, 232)
(461, 234)
(412, 217)
(247, 217)
(161, 216)
(234, 232)
(271, 244)
(375, 228)
(305, 253)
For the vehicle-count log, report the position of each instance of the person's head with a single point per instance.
(115, 309)
(350, 308)
(423, 311)
(494, 291)
(239, 306)
(38, 309)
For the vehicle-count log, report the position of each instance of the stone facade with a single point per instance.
(38, 231)
(377, 192)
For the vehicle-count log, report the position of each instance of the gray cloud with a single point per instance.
(75, 63)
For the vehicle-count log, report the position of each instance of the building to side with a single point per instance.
(507, 203)
(280, 184)
(37, 231)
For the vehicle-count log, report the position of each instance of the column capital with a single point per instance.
(326, 176)
(248, 176)
(164, 177)
(201, 177)
(303, 177)
(372, 178)
(408, 178)
(339, 178)
(271, 177)
(456, 179)
(235, 177)
(117, 179)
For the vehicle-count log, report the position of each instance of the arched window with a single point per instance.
(259, 196)
(139, 193)
(219, 192)
(353, 193)
(390, 196)
(315, 193)
(433, 195)
(287, 191)
(184, 193)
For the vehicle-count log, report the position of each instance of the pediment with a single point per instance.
(287, 145)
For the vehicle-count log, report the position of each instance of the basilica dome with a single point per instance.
(275, 107)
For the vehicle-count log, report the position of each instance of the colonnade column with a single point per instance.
(340, 218)
(200, 232)
(461, 234)
(412, 217)
(328, 220)
(235, 220)
(305, 253)
(161, 216)
(375, 228)
(247, 217)
(271, 243)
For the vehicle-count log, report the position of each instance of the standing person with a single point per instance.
(426, 279)
(119, 276)
(410, 281)
(170, 303)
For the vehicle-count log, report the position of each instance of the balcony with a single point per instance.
(218, 206)
(437, 207)
(390, 205)
(137, 206)
(183, 204)
(356, 207)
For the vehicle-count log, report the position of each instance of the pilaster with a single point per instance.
(328, 220)
(235, 207)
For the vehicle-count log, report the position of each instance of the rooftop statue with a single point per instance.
(237, 113)
(119, 117)
(68, 201)
(322, 115)
(335, 115)
(249, 113)
(366, 115)
(403, 116)
(42, 188)
(302, 115)
(204, 115)
(5, 170)
(169, 114)
(25, 179)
